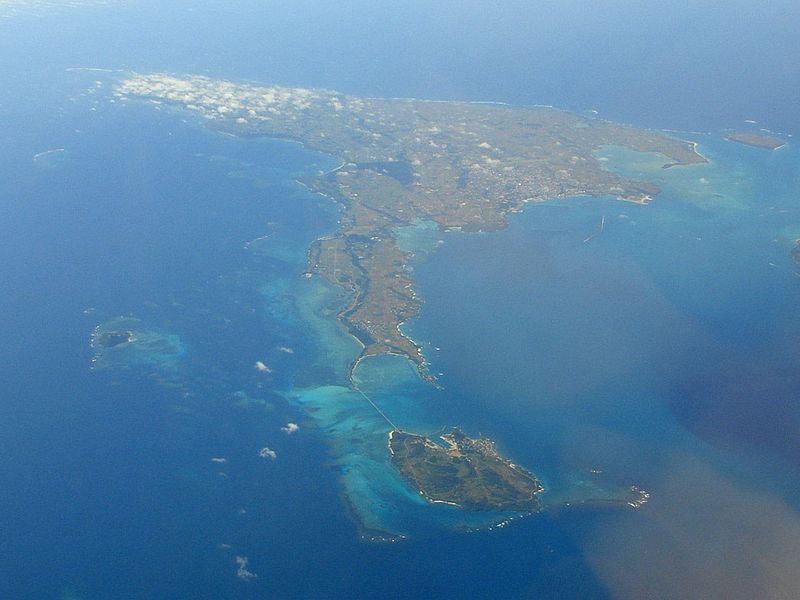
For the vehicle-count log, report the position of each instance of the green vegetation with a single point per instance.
(109, 339)
(757, 140)
(469, 473)
(464, 166)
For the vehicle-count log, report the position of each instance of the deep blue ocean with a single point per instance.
(663, 353)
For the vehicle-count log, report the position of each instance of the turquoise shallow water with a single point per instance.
(662, 353)
(657, 354)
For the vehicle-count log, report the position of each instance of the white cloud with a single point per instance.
(266, 452)
(290, 428)
(262, 368)
(243, 572)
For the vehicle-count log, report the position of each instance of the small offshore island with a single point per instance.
(796, 252)
(463, 166)
(111, 339)
(757, 140)
(469, 473)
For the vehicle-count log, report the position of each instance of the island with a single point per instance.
(467, 473)
(111, 339)
(756, 140)
(463, 166)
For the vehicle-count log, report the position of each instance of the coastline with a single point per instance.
(375, 272)
(421, 492)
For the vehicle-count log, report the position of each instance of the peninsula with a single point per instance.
(468, 473)
(464, 166)
(757, 140)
